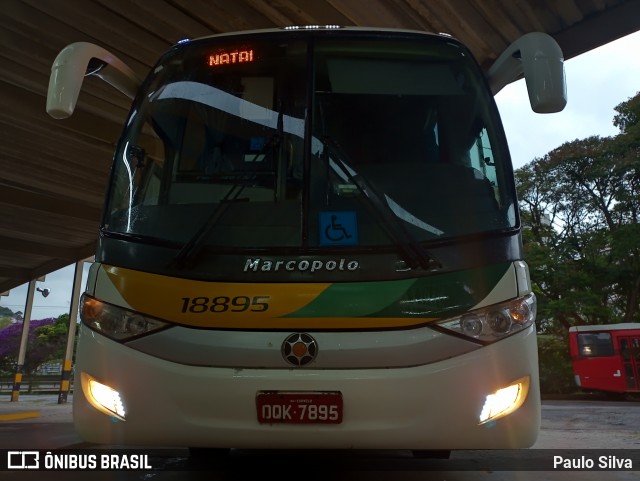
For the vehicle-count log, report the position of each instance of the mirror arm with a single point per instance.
(539, 58)
(71, 66)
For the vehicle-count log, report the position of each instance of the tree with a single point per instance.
(628, 117)
(46, 341)
(6, 315)
(580, 207)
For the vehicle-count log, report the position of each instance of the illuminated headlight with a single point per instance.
(115, 322)
(504, 401)
(495, 322)
(102, 397)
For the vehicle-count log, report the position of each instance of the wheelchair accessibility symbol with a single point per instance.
(338, 228)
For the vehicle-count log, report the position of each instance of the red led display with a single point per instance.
(228, 58)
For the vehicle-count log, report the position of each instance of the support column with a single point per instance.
(17, 379)
(65, 380)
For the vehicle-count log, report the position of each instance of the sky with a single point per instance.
(60, 285)
(597, 81)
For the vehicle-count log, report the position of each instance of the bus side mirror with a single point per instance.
(76, 61)
(539, 58)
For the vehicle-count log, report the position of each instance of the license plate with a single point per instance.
(299, 407)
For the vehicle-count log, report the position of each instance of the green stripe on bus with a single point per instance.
(431, 296)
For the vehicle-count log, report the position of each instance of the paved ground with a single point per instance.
(35, 408)
(583, 424)
(593, 426)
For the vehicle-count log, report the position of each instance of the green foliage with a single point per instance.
(628, 117)
(580, 210)
(51, 333)
(6, 315)
(556, 374)
(46, 342)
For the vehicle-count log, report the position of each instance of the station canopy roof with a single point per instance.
(53, 173)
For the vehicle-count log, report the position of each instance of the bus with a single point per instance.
(606, 357)
(311, 240)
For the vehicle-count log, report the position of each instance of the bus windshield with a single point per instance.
(303, 142)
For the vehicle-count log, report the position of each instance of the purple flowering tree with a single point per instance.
(46, 341)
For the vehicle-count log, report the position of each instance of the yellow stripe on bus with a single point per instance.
(208, 304)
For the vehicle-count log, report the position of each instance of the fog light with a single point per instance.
(505, 400)
(102, 397)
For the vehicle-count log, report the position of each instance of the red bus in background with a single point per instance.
(606, 357)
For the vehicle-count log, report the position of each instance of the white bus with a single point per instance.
(311, 239)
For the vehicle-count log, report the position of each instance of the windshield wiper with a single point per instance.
(194, 245)
(411, 250)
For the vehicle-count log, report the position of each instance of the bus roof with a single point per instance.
(317, 28)
(606, 327)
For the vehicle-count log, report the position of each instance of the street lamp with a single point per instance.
(45, 292)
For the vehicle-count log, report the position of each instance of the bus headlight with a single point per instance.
(495, 322)
(115, 322)
(471, 325)
(499, 320)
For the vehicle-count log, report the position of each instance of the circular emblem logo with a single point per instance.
(299, 349)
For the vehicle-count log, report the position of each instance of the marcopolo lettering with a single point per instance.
(299, 265)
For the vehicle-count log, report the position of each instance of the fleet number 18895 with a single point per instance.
(198, 305)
